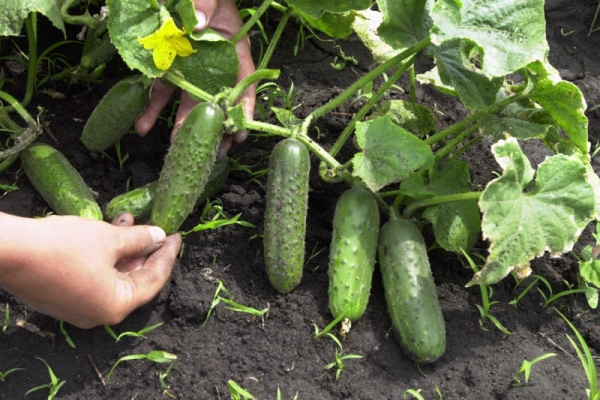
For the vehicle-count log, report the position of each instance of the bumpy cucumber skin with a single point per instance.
(116, 113)
(139, 201)
(59, 183)
(410, 291)
(352, 253)
(187, 166)
(285, 214)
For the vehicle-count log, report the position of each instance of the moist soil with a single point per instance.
(277, 351)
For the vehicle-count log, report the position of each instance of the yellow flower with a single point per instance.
(167, 42)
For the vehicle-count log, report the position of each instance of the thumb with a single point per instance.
(144, 283)
(205, 10)
(139, 240)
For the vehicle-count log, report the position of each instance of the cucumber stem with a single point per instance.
(32, 57)
(192, 90)
(251, 79)
(341, 140)
(16, 106)
(250, 23)
(368, 77)
(275, 39)
(471, 119)
(433, 201)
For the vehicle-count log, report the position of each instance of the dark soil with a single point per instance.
(277, 350)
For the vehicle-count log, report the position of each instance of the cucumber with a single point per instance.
(139, 201)
(352, 253)
(101, 53)
(59, 183)
(187, 166)
(285, 214)
(116, 113)
(410, 292)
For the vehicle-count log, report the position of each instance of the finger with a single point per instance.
(123, 219)
(224, 148)
(185, 106)
(159, 98)
(225, 19)
(248, 97)
(138, 241)
(150, 279)
(205, 10)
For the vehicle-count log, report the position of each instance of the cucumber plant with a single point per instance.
(502, 78)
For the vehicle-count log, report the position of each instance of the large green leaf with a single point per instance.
(14, 12)
(365, 25)
(456, 225)
(511, 33)
(405, 22)
(523, 218)
(316, 8)
(389, 153)
(337, 25)
(456, 70)
(213, 66)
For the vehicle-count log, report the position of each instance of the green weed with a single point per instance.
(586, 359)
(4, 374)
(139, 334)
(61, 325)
(53, 386)
(486, 294)
(157, 356)
(525, 369)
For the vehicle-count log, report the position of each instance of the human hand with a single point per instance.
(223, 17)
(85, 272)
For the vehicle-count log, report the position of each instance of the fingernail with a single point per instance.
(201, 17)
(158, 235)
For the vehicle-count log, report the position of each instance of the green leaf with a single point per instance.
(405, 22)
(456, 64)
(213, 66)
(415, 118)
(316, 8)
(510, 33)
(457, 224)
(365, 25)
(590, 272)
(498, 127)
(14, 12)
(334, 25)
(389, 153)
(523, 218)
(565, 103)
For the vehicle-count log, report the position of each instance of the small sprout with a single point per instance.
(157, 356)
(238, 392)
(3, 375)
(70, 341)
(6, 318)
(526, 368)
(139, 334)
(53, 386)
(339, 362)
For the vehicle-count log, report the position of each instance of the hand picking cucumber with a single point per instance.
(410, 292)
(352, 253)
(139, 201)
(116, 113)
(285, 214)
(59, 183)
(187, 166)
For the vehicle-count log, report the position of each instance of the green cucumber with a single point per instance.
(139, 201)
(285, 214)
(410, 291)
(59, 183)
(102, 52)
(352, 253)
(116, 113)
(187, 166)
